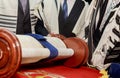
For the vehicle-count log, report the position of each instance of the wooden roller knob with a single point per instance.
(80, 52)
(10, 54)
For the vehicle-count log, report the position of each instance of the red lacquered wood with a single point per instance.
(79, 52)
(10, 53)
(86, 50)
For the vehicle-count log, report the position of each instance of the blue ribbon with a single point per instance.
(46, 44)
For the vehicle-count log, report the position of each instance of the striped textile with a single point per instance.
(8, 22)
(9, 14)
(105, 34)
(114, 53)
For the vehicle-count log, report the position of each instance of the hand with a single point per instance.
(57, 35)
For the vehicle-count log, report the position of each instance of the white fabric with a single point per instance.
(58, 43)
(63, 51)
(32, 50)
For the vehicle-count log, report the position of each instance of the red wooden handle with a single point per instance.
(10, 53)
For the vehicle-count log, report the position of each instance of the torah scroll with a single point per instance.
(16, 50)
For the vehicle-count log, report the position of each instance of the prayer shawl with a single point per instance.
(9, 14)
(50, 16)
(106, 49)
